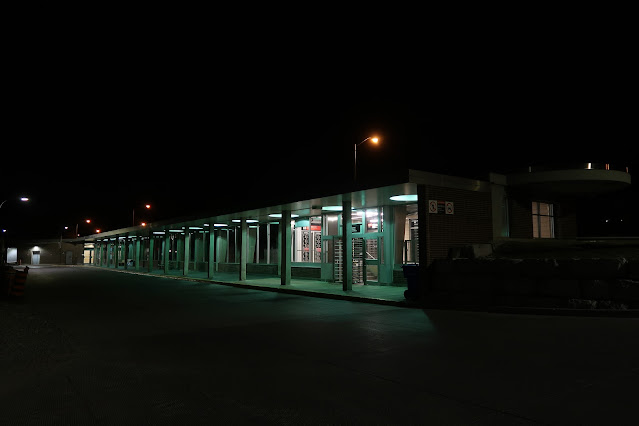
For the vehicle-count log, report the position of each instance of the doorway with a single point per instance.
(365, 260)
(35, 257)
(371, 261)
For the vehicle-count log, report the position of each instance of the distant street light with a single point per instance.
(76, 227)
(373, 139)
(21, 199)
(2, 248)
(146, 206)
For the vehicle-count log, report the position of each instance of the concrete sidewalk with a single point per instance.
(382, 295)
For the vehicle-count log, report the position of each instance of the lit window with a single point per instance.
(543, 220)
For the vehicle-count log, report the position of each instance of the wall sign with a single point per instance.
(441, 207)
(450, 207)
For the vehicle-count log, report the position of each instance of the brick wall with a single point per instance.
(520, 218)
(471, 222)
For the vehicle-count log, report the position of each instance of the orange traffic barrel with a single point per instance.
(17, 289)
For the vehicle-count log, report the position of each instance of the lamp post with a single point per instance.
(76, 227)
(2, 248)
(146, 206)
(373, 139)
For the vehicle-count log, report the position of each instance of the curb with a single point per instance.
(514, 310)
(347, 297)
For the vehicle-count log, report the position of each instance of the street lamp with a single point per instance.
(373, 139)
(146, 206)
(23, 199)
(2, 248)
(76, 227)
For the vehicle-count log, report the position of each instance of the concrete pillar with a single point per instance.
(285, 248)
(211, 268)
(198, 242)
(243, 248)
(179, 242)
(137, 256)
(125, 251)
(347, 247)
(167, 244)
(187, 252)
(151, 250)
(422, 235)
(116, 250)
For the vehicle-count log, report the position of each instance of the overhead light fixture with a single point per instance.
(406, 197)
(332, 208)
(279, 215)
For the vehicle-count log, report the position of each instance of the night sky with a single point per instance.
(98, 134)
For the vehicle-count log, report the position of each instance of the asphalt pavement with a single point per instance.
(91, 346)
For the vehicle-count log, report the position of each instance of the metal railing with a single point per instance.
(576, 166)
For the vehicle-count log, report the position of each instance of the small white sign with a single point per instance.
(450, 207)
(432, 206)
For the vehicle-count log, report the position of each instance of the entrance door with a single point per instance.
(69, 257)
(35, 258)
(371, 261)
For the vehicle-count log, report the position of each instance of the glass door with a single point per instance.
(371, 260)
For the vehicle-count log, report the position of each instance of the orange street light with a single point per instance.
(373, 139)
(147, 206)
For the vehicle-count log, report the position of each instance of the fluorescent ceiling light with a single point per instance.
(407, 197)
(279, 215)
(332, 208)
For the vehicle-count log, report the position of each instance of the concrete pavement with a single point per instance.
(89, 346)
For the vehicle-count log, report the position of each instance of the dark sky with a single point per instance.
(96, 132)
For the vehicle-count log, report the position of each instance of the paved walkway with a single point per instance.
(385, 295)
(88, 346)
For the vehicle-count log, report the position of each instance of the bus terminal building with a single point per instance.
(363, 237)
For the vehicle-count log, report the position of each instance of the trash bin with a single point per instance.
(411, 273)
(20, 281)
(8, 277)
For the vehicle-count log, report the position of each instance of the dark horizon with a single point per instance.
(86, 150)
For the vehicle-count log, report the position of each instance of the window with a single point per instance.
(307, 240)
(543, 220)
